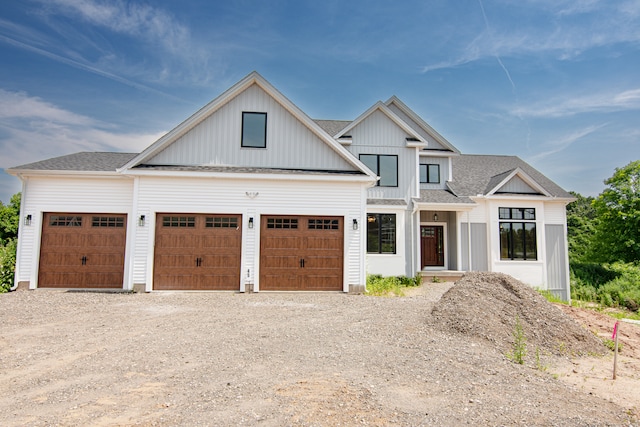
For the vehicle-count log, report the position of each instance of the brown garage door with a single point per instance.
(301, 253)
(82, 250)
(197, 252)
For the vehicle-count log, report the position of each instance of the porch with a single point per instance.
(430, 276)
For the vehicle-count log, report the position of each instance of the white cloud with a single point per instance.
(555, 31)
(134, 19)
(33, 129)
(596, 103)
(563, 143)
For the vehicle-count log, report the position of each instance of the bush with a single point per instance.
(7, 265)
(378, 285)
(612, 285)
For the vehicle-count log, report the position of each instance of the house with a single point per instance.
(250, 194)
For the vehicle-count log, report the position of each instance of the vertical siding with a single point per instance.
(191, 195)
(517, 185)
(378, 134)
(432, 143)
(444, 172)
(49, 194)
(217, 139)
(464, 246)
(556, 250)
(479, 251)
(479, 261)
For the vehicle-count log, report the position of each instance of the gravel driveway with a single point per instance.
(206, 359)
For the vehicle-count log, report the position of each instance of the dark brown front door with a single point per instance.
(301, 253)
(82, 250)
(197, 252)
(432, 245)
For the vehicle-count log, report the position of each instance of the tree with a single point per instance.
(617, 229)
(9, 221)
(581, 217)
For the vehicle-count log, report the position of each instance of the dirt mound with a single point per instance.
(485, 306)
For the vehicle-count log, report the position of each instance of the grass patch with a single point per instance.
(551, 297)
(378, 285)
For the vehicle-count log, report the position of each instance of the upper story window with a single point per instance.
(385, 166)
(518, 234)
(254, 130)
(430, 174)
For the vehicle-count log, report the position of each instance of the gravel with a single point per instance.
(268, 359)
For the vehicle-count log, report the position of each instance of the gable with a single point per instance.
(435, 141)
(433, 144)
(377, 129)
(216, 140)
(516, 185)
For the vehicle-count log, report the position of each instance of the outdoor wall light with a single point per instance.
(250, 222)
(435, 216)
(355, 224)
(27, 220)
(141, 220)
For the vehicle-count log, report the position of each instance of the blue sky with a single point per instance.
(554, 82)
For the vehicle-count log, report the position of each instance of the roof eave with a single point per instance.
(249, 176)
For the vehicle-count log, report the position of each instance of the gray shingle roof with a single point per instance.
(474, 174)
(387, 202)
(84, 161)
(440, 196)
(332, 127)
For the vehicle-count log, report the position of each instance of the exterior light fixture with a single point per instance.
(250, 222)
(355, 224)
(27, 220)
(435, 216)
(141, 220)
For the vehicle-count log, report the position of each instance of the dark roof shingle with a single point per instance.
(474, 174)
(84, 162)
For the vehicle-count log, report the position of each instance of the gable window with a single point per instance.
(385, 166)
(254, 130)
(381, 233)
(430, 174)
(518, 234)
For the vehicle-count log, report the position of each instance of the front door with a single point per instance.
(432, 245)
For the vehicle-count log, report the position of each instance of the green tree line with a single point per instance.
(9, 222)
(604, 241)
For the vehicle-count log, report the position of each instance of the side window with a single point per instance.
(430, 174)
(385, 166)
(518, 234)
(381, 233)
(254, 130)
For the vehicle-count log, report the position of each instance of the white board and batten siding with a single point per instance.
(444, 163)
(66, 195)
(266, 197)
(216, 141)
(432, 143)
(378, 134)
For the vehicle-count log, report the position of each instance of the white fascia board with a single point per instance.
(434, 153)
(393, 116)
(252, 176)
(525, 177)
(456, 207)
(524, 197)
(425, 126)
